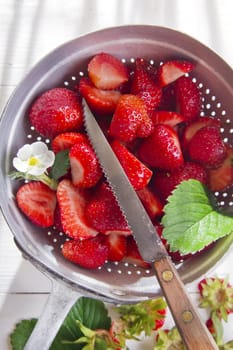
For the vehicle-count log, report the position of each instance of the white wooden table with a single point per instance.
(29, 29)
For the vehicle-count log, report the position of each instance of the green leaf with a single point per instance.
(61, 165)
(21, 333)
(90, 312)
(191, 221)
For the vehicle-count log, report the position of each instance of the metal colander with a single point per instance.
(114, 282)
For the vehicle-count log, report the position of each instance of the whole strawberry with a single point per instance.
(130, 119)
(89, 253)
(162, 149)
(144, 86)
(56, 111)
(188, 98)
(207, 147)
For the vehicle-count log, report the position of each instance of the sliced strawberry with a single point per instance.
(65, 140)
(139, 175)
(37, 201)
(133, 256)
(89, 253)
(104, 214)
(85, 168)
(170, 71)
(117, 246)
(207, 147)
(192, 127)
(162, 149)
(222, 177)
(72, 202)
(144, 86)
(56, 111)
(151, 202)
(166, 117)
(107, 72)
(164, 182)
(100, 101)
(130, 119)
(188, 98)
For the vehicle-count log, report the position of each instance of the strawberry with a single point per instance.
(133, 255)
(100, 101)
(207, 147)
(165, 182)
(217, 295)
(210, 325)
(192, 127)
(117, 246)
(85, 168)
(160, 321)
(130, 119)
(222, 177)
(37, 201)
(151, 202)
(57, 219)
(166, 117)
(144, 86)
(168, 99)
(162, 149)
(139, 175)
(56, 111)
(107, 72)
(65, 140)
(104, 214)
(89, 253)
(170, 71)
(188, 98)
(72, 202)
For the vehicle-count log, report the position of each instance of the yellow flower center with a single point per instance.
(33, 161)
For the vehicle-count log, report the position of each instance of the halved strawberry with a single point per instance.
(72, 202)
(192, 127)
(160, 321)
(166, 117)
(222, 177)
(188, 98)
(56, 111)
(85, 168)
(170, 71)
(130, 119)
(100, 101)
(162, 149)
(139, 175)
(117, 246)
(66, 140)
(207, 147)
(145, 87)
(89, 253)
(132, 255)
(107, 72)
(37, 201)
(151, 202)
(104, 214)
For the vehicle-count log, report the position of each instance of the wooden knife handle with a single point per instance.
(193, 332)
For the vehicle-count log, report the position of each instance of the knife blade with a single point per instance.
(191, 328)
(144, 232)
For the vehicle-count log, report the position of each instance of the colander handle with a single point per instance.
(194, 333)
(59, 302)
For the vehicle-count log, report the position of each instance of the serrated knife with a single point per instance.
(193, 331)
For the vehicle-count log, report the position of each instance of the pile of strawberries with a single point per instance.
(151, 117)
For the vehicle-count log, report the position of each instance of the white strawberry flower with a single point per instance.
(34, 159)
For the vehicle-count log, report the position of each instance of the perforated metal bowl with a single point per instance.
(117, 282)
